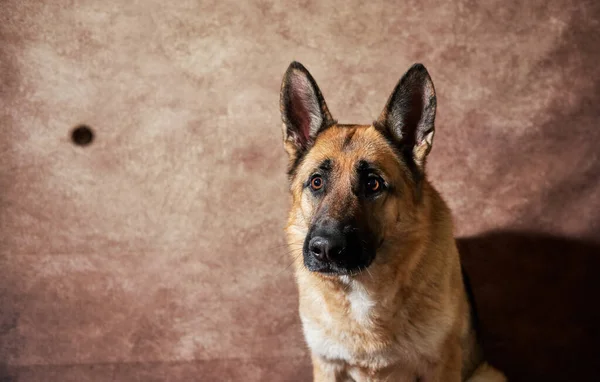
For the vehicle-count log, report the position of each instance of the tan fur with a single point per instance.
(404, 318)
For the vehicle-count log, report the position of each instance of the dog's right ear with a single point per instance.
(303, 110)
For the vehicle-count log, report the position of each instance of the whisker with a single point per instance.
(294, 259)
(283, 246)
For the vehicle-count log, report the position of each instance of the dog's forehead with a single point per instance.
(348, 144)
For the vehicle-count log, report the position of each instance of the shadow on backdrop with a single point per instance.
(537, 301)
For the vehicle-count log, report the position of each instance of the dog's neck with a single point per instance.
(365, 298)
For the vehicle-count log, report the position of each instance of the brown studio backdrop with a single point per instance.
(156, 252)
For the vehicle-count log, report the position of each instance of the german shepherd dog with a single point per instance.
(381, 290)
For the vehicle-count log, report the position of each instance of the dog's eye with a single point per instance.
(373, 185)
(316, 183)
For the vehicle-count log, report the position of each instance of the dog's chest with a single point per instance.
(348, 330)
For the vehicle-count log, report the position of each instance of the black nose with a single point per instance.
(327, 248)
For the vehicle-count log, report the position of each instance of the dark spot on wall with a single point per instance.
(82, 135)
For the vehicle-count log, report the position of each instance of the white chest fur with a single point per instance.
(361, 304)
(322, 343)
(323, 331)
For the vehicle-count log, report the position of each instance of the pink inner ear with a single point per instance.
(300, 97)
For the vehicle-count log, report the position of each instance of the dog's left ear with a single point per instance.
(409, 116)
(303, 110)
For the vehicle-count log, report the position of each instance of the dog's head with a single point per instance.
(354, 187)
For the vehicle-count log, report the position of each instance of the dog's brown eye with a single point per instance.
(316, 183)
(373, 185)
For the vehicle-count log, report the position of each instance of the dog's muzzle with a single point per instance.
(336, 248)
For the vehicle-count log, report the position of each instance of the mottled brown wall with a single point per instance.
(156, 252)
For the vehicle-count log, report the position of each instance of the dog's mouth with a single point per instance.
(350, 267)
(343, 271)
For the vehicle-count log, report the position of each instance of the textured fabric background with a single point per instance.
(156, 253)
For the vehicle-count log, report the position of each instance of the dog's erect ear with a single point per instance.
(303, 110)
(408, 118)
